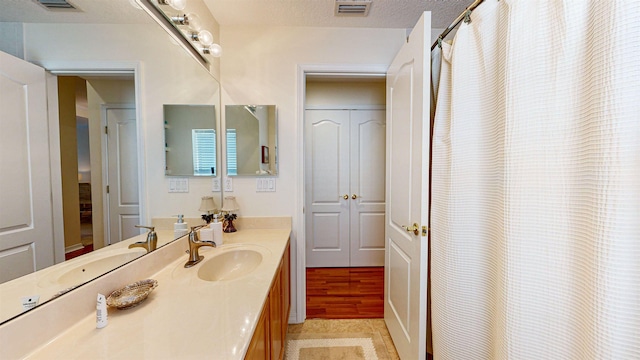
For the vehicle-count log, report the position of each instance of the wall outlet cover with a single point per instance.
(228, 184)
(215, 184)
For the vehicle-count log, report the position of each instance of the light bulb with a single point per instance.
(193, 21)
(205, 38)
(177, 4)
(215, 50)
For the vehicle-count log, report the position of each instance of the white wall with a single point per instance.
(11, 38)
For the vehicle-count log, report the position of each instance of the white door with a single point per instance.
(327, 185)
(123, 208)
(345, 152)
(405, 308)
(367, 187)
(26, 223)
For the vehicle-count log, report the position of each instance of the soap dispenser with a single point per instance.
(216, 226)
(180, 228)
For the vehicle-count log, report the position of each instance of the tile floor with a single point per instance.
(324, 326)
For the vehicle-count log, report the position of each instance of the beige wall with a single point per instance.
(69, 160)
(346, 92)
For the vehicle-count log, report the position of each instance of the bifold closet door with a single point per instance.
(367, 184)
(326, 184)
(345, 182)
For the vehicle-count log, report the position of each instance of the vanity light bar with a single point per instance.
(162, 19)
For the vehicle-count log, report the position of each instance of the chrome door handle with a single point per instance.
(415, 228)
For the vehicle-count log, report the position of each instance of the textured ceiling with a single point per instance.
(90, 11)
(383, 13)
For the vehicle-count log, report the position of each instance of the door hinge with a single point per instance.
(107, 189)
(106, 130)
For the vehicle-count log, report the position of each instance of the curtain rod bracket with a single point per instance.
(467, 17)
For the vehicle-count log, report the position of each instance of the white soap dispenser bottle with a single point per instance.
(216, 226)
(180, 228)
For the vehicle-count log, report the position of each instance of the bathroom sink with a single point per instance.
(229, 265)
(85, 271)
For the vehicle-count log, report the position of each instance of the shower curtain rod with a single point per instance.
(456, 22)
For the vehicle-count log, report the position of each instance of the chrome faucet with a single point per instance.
(152, 240)
(194, 245)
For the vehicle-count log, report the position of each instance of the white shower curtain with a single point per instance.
(535, 216)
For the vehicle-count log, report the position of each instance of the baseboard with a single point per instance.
(74, 247)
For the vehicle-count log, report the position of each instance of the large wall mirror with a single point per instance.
(164, 75)
(190, 135)
(252, 140)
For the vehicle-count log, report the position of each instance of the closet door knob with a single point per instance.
(345, 196)
(354, 196)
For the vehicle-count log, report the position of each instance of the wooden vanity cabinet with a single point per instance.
(269, 338)
(259, 346)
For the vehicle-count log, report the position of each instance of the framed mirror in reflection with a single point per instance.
(190, 140)
(252, 140)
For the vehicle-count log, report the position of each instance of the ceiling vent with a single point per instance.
(352, 7)
(56, 4)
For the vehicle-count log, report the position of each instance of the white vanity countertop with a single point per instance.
(184, 317)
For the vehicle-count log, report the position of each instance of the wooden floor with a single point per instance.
(85, 250)
(345, 293)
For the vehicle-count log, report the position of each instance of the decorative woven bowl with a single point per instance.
(132, 294)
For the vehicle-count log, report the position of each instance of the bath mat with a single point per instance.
(351, 346)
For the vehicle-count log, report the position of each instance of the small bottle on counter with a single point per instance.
(216, 227)
(101, 312)
(180, 228)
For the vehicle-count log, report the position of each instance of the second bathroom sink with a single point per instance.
(230, 265)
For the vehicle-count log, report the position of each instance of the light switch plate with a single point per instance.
(228, 184)
(178, 185)
(265, 184)
(215, 184)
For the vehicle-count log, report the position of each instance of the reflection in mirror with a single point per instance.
(166, 68)
(19, 295)
(252, 140)
(190, 140)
